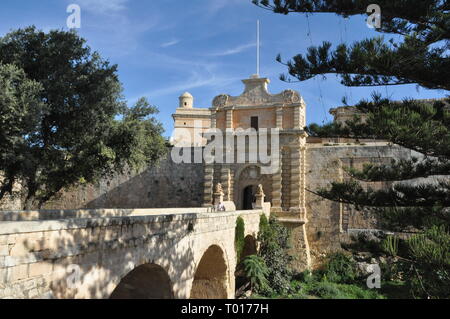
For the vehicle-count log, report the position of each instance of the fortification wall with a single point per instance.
(164, 186)
(328, 222)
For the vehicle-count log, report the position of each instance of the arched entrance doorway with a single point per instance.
(246, 180)
(248, 197)
(148, 281)
(210, 280)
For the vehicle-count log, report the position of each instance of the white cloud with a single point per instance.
(195, 75)
(215, 6)
(170, 43)
(234, 50)
(195, 81)
(102, 6)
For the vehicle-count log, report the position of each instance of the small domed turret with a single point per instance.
(186, 101)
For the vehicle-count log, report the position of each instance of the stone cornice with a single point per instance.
(250, 107)
(256, 94)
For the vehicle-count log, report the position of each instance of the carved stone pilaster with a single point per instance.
(297, 117)
(279, 118)
(214, 119)
(225, 180)
(218, 194)
(229, 119)
(302, 185)
(276, 188)
(286, 179)
(295, 179)
(208, 185)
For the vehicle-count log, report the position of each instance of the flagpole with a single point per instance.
(257, 47)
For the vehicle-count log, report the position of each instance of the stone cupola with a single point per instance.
(186, 101)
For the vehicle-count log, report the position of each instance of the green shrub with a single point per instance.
(256, 271)
(390, 245)
(274, 245)
(263, 222)
(357, 292)
(326, 290)
(364, 242)
(430, 271)
(239, 237)
(330, 290)
(339, 268)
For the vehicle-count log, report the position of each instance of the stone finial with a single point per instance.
(259, 190)
(218, 189)
(218, 195)
(259, 197)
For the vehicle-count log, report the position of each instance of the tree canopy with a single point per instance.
(67, 120)
(419, 198)
(419, 58)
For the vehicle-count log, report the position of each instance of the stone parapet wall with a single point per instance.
(88, 257)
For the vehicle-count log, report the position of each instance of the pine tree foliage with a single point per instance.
(274, 241)
(430, 269)
(256, 271)
(424, 24)
(413, 49)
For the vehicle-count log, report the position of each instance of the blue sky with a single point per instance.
(166, 47)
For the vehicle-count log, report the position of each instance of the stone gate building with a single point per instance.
(305, 164)
(256, 109)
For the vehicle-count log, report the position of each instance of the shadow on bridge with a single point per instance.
(210, 280)
(106, 262)
(148, 281)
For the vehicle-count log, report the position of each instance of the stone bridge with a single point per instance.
(122, 253)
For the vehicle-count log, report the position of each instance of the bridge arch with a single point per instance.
(211, 276)
(148, 281)
(241, 281)
(250, 246)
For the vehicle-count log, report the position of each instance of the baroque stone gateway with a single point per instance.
(127, 236)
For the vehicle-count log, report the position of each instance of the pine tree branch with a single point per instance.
(399, 170)
(399, 195)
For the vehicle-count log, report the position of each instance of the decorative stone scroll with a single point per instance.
(220, 100)
(291, 96)
(256, 93)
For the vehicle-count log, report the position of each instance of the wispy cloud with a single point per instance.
(197, 75)
(195, 81)
(170, 43)
(102, 6)
(234, 50)
(215, 6)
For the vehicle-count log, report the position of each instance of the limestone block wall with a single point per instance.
(61, 257)
(166, 185)
(329, 222)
